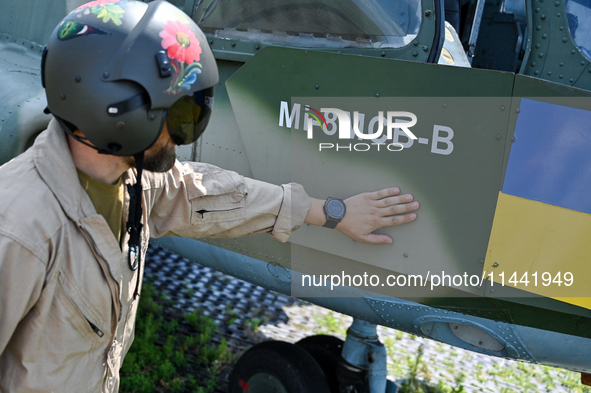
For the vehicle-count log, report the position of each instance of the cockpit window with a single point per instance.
(578, 13)
(313, 23)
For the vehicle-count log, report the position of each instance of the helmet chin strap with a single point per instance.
(70, 129)
(134, 220)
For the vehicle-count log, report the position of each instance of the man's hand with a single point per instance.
(367, 212)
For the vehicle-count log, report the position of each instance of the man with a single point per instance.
(126, 82)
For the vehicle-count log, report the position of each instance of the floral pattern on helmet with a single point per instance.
(72, 29)
(184, 50)
(106, 10)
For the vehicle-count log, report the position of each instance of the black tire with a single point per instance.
(326, 350)
(277, 367)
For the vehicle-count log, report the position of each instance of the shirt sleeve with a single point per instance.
(22, 275)
(201, 200)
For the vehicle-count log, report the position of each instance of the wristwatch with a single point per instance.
(334, 209)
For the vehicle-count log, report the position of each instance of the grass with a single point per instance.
(454, 368)
(173, 352)
(428, 366)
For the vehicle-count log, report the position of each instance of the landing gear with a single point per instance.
(326, 350)
(277, 367)
(319, 364)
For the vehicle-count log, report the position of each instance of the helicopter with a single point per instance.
(478, 108)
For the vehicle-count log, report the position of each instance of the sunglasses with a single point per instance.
(187, 118)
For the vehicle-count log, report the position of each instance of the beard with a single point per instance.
(160, 160)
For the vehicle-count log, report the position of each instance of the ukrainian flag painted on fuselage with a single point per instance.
(542, 221)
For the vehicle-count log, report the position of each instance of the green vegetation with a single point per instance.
(452, 367)
(172, 352)
(330, 323)
(504, 376)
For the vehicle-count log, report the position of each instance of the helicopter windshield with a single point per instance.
(313, 23)
(578, 13)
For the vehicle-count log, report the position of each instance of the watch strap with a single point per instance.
(330, 223)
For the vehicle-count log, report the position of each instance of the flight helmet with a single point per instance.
(117, 69)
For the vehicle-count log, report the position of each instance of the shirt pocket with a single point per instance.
(90, 319)
(218, 196)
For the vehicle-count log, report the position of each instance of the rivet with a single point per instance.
(538, 28)
(513, 139)
(383, 54)
(105, 75)
(517, 110)
(537, 10)
(425, 48)
(428, 13)
(533, 63)
(77, 79)
(406, 255)
(120, 125)
(233, 44)
(561, 28)
(544, 36)
(571, 80)
(549, 72)
(538, 46)
(492, 290)
(536, 72)
(572, 52)
(257, 47)
(63, 96)
(152, 116)
(498, 137)
(589, 70)
(377, 95)
(558, 14)
(556, 4)
(561, 76)
(445, 105)
(543, 16)
(565, 40)
(415, 53)
(210, 42)
(541, 55)
(502, 107)
(482, 261)
(582, 63)
(317, 87)
(561, 64)
(415, 43)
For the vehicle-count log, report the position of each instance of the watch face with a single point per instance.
(335, 209)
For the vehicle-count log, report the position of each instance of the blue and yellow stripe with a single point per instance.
(542, 220)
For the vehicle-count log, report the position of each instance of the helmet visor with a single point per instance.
(187, 118)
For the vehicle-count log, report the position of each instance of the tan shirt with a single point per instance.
(67, 309)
